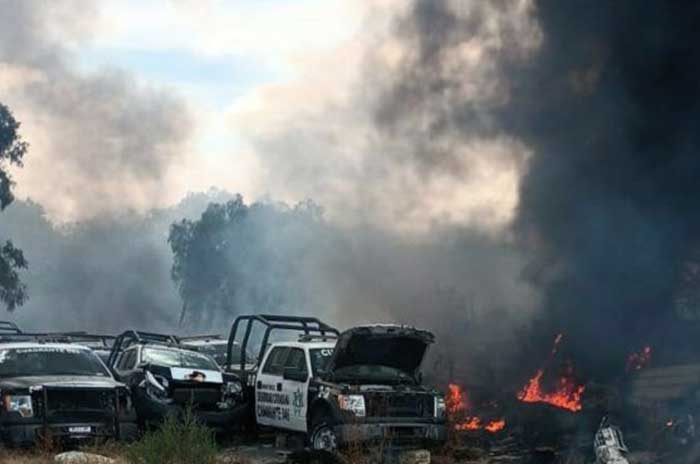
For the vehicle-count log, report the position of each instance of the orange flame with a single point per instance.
(495, 426)
(456, 399)
(566, 396)
(471, 423)
(458, 404)
(568, 392)
(638, 361)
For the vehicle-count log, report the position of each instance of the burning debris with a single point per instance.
(458, 408)
(639, 360)
(566, 396)
(567, 392)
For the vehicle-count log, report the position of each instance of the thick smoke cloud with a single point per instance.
(608, 204)
(270, 258)
(418, 195)
(105, 141)
(605, 98)
(383, 141)
(105, 274)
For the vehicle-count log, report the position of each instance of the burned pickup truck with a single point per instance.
(166, 378)
(63, 392)
(363, 385)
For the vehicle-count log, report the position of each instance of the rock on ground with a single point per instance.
(79, 457)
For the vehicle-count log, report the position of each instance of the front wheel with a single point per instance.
(324, 438)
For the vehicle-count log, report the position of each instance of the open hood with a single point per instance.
(397, 346)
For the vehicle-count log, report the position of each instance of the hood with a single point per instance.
(397, 346)
(187, 374)
(63, 381)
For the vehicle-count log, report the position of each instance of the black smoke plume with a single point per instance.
(607, 101)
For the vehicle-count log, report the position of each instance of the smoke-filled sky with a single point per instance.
(131, 104)
(540, 153)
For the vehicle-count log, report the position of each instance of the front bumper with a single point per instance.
(396, 433)
(27, 434)
(152, 411)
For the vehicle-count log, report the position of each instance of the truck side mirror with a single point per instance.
(297, 375)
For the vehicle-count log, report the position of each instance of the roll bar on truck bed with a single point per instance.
(308, 326)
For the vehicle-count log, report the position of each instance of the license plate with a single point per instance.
(80, 430)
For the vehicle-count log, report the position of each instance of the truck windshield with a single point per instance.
(319, 359)
(372, 373)
(40, 361)
(178, 358)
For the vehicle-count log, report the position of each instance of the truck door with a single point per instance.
(272, 404)
(296, 387)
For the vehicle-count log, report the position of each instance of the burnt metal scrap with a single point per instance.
(609, 445)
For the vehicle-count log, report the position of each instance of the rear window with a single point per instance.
(37, 361)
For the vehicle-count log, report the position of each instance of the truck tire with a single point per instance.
(323, 436)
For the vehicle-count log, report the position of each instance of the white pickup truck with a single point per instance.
(359, 386)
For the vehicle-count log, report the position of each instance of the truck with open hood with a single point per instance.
(362, 385)
(167, 378)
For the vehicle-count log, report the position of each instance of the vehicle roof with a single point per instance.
(306, 344)
(64, 346)
(208, 341)
(158, 346)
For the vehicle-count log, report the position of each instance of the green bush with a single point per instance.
(184, 441)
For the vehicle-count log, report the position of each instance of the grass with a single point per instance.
(184, 441)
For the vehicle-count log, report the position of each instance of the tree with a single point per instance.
(13, 292)
(237, 258)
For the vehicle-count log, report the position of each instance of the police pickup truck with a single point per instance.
(167, 378)
(363, 385)
(60, 392)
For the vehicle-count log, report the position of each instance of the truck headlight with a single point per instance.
(230, 394)
(19, 403)
(156, 387)
(232, 388)
(353, 403)
(440, 407)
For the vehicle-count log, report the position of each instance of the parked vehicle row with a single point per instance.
(294, 374)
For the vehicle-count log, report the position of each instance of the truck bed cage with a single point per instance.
(308, 326)
(131, 337)
(83, 337)
(204, 337)
(317, 338)
(58, 337)
(9, 327)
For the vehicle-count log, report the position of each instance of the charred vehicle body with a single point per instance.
(166, 379)
(60, 392)
(363, 385)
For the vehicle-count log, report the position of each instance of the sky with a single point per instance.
(131, 104)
